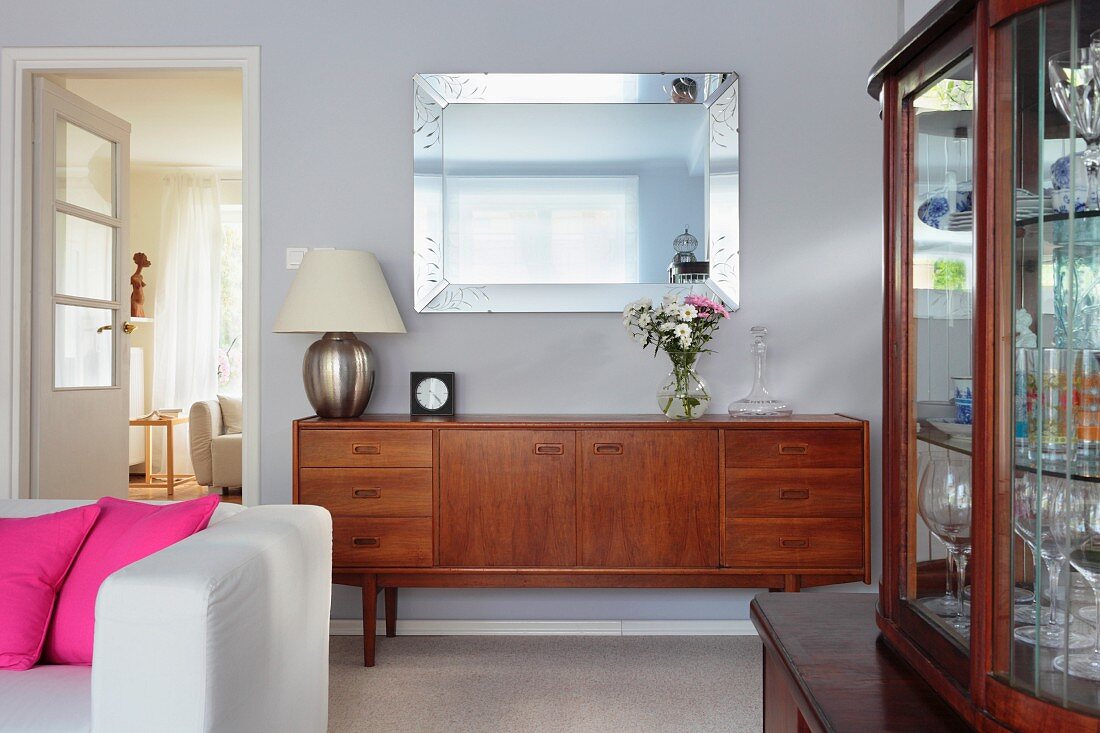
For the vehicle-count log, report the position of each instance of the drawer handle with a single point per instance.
(367, 493)
(794, 543)
(793, 449)
(608, 449)
(365, 542)
(366, 449)
(794, 494)
(549, 449)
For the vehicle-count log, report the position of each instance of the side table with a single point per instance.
(169, 479)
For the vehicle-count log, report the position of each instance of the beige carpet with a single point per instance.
(547, 683)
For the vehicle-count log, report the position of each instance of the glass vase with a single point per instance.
(683, 395)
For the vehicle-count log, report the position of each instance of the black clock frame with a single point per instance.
(448, 406)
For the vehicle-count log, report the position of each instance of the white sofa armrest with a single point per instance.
(224, 631)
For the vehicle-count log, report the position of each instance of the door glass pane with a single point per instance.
(83, 354)
(84, 258)
(1049, 599)
(942, 220)
(84, 165)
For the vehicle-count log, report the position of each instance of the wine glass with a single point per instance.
(947, 605)
(943, 500)
(1074, 78)
(1032, 509)
(1076, 529)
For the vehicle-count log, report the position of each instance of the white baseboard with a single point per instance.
(354, 627)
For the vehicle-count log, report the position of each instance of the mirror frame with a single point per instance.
(434, 292)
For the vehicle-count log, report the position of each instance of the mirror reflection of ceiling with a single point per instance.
(550, 135)
(178, 118)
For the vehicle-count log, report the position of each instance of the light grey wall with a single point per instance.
(914, 10)
(337, 172)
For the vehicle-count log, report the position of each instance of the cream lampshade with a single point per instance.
(338, 293)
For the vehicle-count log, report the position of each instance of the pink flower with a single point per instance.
(706, 306)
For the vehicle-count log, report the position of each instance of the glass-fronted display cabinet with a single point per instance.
(991, 472)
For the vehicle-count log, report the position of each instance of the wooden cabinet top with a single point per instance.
(842, 677)
(583, 421)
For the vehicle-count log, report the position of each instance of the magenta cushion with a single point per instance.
(35, 554)
(126, 532)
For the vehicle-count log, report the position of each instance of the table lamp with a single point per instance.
(338, 293)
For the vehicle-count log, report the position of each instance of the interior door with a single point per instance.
(79, 299)
(648, 498)
(507, 498)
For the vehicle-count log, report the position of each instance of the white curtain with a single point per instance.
(187, 311)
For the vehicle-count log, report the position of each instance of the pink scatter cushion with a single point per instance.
(35, 555)
(126, 532)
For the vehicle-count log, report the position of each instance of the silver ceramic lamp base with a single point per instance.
(338, 371)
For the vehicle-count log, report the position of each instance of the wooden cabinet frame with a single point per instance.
(971, 683)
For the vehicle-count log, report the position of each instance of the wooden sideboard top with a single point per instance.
(841, 674)
(581, 421)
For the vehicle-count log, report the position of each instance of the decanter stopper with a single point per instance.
(759, 402)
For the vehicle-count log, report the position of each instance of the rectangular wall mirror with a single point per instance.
(573, 192)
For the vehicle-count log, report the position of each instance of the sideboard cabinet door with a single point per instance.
(648, 498)
(507, 498)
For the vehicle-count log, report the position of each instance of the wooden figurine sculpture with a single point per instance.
(137, 298)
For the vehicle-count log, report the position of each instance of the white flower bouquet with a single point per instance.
(680, 327)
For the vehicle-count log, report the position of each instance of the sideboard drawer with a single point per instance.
(382, 542)
(798, 492)
(368, 492)
(373, 448)
(794, 448)
(794, 543)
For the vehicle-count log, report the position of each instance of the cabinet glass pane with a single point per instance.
(84, 164)
(84, 258)
(1048, 608)
(942, 238)
(83, 349)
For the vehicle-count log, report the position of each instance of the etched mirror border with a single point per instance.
(433, 292)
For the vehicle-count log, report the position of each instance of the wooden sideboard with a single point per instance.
(586, 501)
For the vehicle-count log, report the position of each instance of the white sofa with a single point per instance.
(224, 631)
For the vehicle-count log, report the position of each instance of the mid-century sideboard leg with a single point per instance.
(370, 622)
(391, 612)
(792, 583)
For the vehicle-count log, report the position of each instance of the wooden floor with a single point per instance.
(186, 490)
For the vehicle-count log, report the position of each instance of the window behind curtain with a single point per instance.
(542, 229)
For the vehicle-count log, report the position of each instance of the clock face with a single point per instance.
(432, 393)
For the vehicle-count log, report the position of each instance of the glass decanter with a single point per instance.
(759, 402)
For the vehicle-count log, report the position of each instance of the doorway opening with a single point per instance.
(142, 391)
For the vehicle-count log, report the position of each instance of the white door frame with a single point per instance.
(17, 65)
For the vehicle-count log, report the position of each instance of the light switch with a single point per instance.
(294, 257)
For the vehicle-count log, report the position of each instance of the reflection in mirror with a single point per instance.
(942, 280)
(559, 192)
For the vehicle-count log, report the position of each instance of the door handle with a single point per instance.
(367, 493)
(127, 327)
(365, 542)
(794, 542)
(549, 449)
(607, 449)
(794, 494)
(793, 449)
(366, 449)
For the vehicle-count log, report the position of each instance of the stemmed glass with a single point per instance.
(1033, 506)
(1076, 529)
(943, 500)
(1074, 78)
